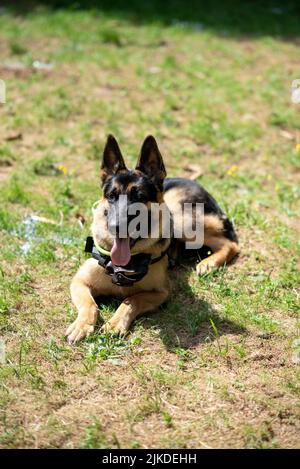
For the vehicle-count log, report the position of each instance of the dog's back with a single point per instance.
(218, 230)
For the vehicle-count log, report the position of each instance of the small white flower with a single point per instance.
(295, 96)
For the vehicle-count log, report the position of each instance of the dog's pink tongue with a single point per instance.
(120, 252)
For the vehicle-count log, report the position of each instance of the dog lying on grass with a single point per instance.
(135, 268)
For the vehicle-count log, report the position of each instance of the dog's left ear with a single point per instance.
(112, 161)
(150, 161)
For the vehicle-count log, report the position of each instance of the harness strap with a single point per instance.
(134, 271)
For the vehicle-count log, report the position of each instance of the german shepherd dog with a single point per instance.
(146, 184)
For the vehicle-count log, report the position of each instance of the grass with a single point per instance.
(217, 365)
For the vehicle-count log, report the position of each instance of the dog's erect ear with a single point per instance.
(112, 161)
(151, 162)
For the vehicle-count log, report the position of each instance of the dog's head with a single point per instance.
(124, 192)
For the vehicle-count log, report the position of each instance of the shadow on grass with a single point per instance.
(186, 320)
(228, 18)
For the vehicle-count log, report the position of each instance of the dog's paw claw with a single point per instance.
(118, 329)
(205, 266)
(77, 331)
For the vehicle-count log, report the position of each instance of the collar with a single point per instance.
(127, 275)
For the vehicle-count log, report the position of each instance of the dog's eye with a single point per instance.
(112, 196)
(137, 196)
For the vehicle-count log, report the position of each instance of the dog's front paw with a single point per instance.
(78, 330)
(116, 327)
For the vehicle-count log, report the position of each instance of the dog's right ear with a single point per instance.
(112, 161)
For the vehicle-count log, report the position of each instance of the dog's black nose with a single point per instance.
(119, 227)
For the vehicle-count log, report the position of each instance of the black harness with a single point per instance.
(125, 276)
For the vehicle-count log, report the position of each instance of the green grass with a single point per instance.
(216, 366)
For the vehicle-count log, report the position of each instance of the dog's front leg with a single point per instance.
(87, 311)
(90, 281)
(131, 307)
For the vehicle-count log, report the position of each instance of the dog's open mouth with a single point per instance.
(120, 252)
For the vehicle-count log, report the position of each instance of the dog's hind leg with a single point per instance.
(219, 235)
(220, 257)
(224, 251)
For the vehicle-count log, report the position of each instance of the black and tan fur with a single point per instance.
(146, 184)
